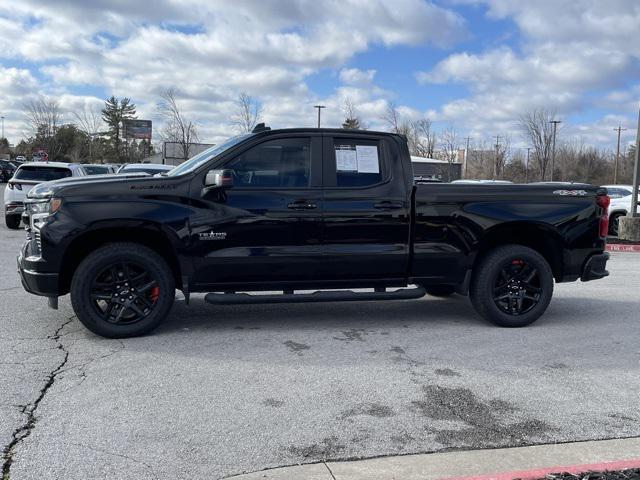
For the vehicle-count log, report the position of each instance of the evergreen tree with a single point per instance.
(113, 113)
(351, 124)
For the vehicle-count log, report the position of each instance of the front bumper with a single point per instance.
(14, 209)
(38, 283)
(595, 267)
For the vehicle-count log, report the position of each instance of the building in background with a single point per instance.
(436, 168)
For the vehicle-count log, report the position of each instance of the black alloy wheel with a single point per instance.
(124, 293)
(122, 289)
(517, 288)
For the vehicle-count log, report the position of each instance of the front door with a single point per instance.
(268, 224)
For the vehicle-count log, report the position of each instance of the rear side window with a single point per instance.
(358, 163)
(618, 192)
(41, 174)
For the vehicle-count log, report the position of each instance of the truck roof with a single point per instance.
(327, 130)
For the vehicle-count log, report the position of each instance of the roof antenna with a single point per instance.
(260, 127)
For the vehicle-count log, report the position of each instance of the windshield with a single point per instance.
(197, 160)
(41, 174)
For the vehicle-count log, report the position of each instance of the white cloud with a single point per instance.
(210, 50)
(570, 52)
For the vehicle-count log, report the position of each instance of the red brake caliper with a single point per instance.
(155, 293)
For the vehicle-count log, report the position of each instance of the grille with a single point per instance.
(36, 236)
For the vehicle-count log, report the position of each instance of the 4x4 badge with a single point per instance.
(212, 235)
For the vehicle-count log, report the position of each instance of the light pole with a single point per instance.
(636, 174)
(319, 107)
(553, 148)
(615, 168)
(495, 165)
(466, 157)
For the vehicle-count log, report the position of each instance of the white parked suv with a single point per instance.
(620, 204)
(25, 178)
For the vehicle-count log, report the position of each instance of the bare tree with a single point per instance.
(248, 114)
(177, 129)
(43, 117)
(501, 155)
(391, 117)
(449, 146)
(352, 120)
(538, 132)
(424, 138)
(89, 121)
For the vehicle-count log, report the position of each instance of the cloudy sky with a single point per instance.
(473, 65)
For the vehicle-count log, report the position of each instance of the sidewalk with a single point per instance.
(498, 464)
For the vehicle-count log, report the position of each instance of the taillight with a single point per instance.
(603, 202)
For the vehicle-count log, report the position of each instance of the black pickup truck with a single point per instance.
(314, 214)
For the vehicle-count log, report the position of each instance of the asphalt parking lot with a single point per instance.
(220, 390)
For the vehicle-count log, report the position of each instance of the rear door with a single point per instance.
(367, 209)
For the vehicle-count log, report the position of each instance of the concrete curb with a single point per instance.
(497, 464)
(622, 247)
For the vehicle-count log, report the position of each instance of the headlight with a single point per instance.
(47, 207)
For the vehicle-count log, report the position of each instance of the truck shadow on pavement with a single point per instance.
(456, 310)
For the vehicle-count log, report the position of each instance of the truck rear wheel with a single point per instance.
(122, 290)
(512, 286)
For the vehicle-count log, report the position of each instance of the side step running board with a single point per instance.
(319, 296)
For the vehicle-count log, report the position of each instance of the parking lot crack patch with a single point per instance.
(24, 430)
(330, 472)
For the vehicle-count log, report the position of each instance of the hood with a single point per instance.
(50, 189)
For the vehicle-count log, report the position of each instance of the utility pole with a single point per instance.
(526, 167)
(466, 157)
(615, 168)
(495, 164)
(319, 107)
(636, 174)
(2, 117)
(553, 148)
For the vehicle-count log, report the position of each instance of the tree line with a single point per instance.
(94, 135)
(573, 161)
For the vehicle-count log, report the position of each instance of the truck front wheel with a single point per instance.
(122, 290)
(512, 286)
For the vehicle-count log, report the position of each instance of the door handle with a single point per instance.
(388, 205)
(302, 205)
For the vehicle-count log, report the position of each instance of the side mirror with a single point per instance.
(219, 178)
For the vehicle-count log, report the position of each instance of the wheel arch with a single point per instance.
(539, 237)
(151, 236)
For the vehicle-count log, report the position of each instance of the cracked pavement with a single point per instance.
(221, 390)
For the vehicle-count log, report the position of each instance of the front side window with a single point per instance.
(284, 163)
